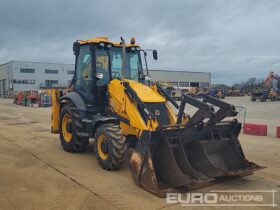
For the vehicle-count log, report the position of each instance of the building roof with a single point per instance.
(37, 62)
(181, 71)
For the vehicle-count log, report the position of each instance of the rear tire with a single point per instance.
(263, 99)
(69, 132)
(110, 146)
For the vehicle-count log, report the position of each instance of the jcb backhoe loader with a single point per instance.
(111, 100)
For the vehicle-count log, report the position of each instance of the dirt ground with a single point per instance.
(35, 172)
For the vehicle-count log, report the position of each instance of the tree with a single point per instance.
(251, 81)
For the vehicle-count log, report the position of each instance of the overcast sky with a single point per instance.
(233, 40)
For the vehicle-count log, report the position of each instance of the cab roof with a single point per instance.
(104, 40)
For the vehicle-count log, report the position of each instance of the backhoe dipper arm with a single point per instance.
(270, 77)
(276, 77)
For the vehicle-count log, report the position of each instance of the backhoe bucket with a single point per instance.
(183, 159)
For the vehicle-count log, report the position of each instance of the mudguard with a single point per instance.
(76, 99)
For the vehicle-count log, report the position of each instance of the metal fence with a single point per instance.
(241, 116)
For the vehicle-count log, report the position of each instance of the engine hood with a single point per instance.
(145, 93)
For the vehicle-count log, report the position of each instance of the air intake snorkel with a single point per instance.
(123, 58)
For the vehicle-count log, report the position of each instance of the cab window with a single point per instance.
(102, 66)
(84, 72)
(116, 65)
(134, 66)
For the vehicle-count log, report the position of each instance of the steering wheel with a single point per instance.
(116, 74)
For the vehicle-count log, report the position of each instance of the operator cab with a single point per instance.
(98, 61)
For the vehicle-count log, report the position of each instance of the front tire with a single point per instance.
(110, 146)
(71, 128)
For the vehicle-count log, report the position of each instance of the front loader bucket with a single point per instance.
(218, 158)
(154, 167)
(179, 160)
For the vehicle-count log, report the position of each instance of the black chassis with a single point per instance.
(90, 118)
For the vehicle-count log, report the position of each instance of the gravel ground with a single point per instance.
(35, 172)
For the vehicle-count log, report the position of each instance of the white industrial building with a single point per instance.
(182, 78)
(31, 76)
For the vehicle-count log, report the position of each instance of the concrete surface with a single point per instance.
(35, 172)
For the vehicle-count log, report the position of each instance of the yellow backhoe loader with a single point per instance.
(111, 100)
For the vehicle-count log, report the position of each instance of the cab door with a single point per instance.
(102, 75)
(84, 74)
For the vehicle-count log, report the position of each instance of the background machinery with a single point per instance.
(261, 94)
(267, 93)
(109, 99)
(217, 93)
(234, 92)
(273, 94)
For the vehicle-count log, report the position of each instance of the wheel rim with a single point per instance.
(102, 147)
(66, 124)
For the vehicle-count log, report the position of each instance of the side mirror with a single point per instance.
(76, 48)
(155, 55)
(99, 75)
(147, 78)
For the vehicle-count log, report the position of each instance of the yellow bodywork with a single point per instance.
(102, 154)
(105, 40)
(124, 107)
(120, 104)
(55, 110)
(65, 121)
(167, 156)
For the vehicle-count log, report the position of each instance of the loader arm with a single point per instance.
(128, 100)
(131, 104)
(184, 153)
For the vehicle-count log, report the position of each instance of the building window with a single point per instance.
(71, 72)
(17, 81)
(194, 84)
(204, 85)
(4, 86)
(184, 84)
(173, 83)
(51, 83)
(51, 71)
(27, 70)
